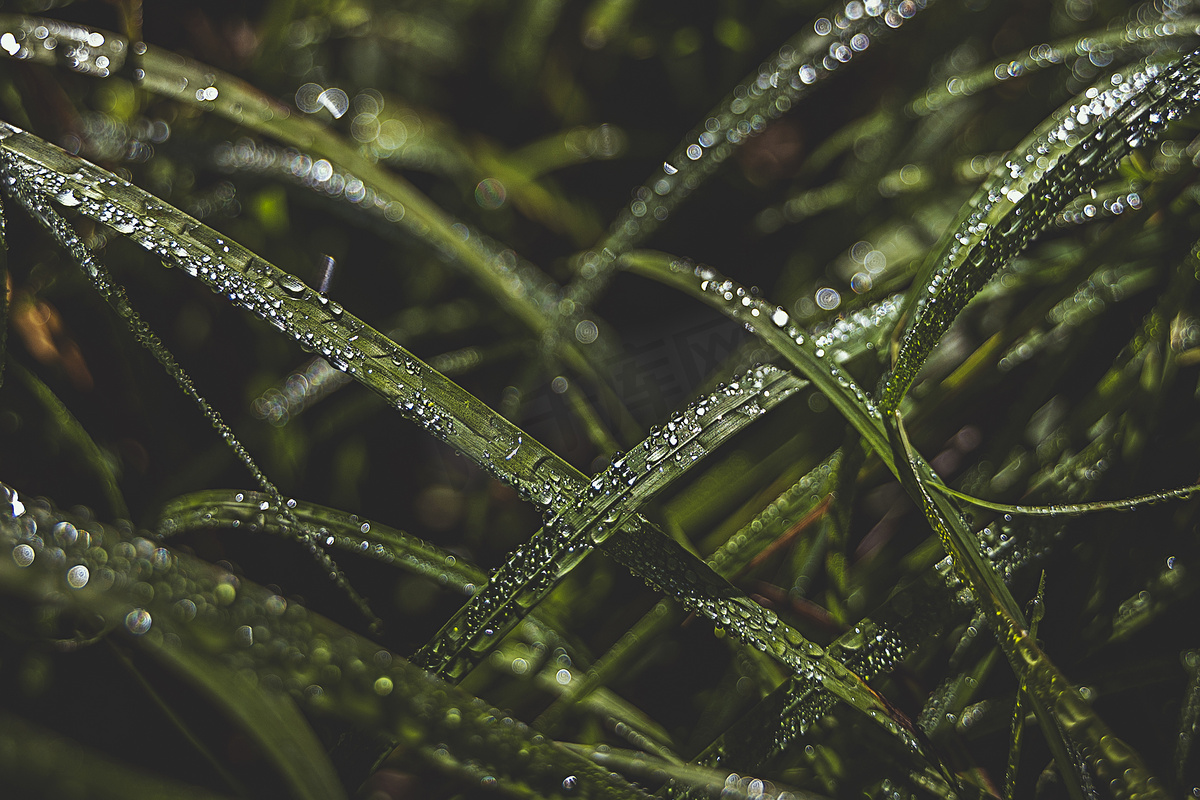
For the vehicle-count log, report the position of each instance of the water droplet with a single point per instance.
(23, 555)
(138, 621)
(77, 576)
(292, 284)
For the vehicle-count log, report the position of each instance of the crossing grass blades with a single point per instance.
(850, 453)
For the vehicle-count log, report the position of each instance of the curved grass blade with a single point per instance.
(1078, 146)
(533, 570)
(201, 619)
(1061, 709)
(774, 325)
(1071, 509)
(698, 780)
(1050, 54)
(25, 188)
(423, 395)
(805, 60)
(69, 426)
(255, 511)
(32, 760)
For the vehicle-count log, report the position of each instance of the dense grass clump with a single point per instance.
(850, 453)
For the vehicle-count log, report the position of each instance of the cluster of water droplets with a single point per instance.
(1098, 206)
(769, 524)
(54, 42)
(769, 321)
(854, 332)
(1082, 143)
(1098, 50)
(318, 174)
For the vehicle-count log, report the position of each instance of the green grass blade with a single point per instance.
(1079, 145)
(1069, 509)
(255, 511)
(1061, 709)
(535, 568)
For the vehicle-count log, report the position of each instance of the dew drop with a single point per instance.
(77, 576)
(23, 555)
(292, 284)
(138, 621)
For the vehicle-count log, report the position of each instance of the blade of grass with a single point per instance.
(533, 570)
(1061, 509)
(1065, 156)
(1019, 703)
(1061, 709)
(255, 511)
